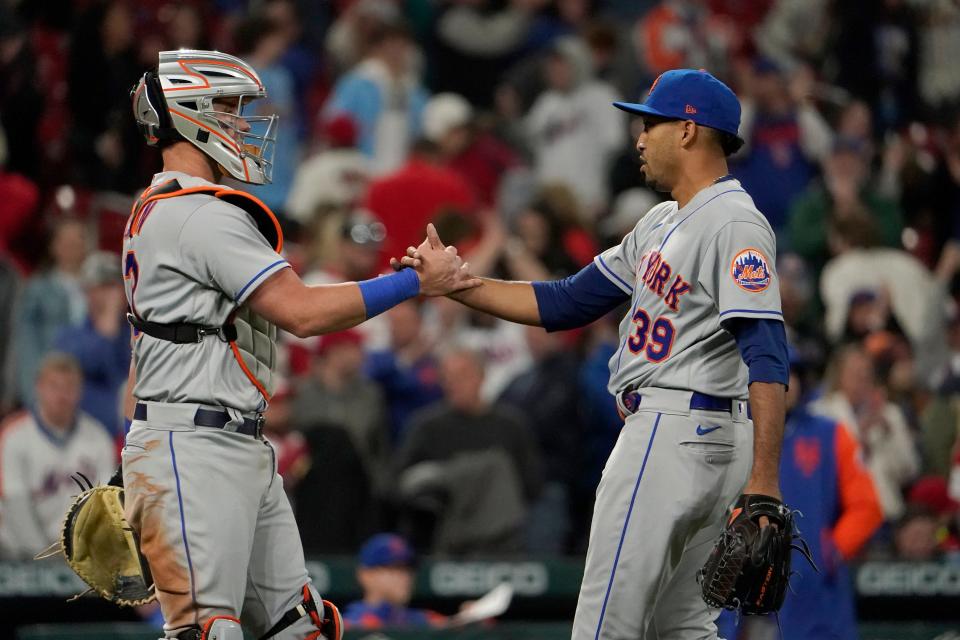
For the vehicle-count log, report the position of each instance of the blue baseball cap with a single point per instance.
(689, 94)
(386, 550)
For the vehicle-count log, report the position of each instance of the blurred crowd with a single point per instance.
(492, 119)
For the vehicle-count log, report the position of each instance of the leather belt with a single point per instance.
(630, 399)
(212, 418)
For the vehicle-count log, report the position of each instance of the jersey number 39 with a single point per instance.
(655, 338)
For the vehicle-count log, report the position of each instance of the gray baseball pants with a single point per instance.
(214, 523)
(660, 506)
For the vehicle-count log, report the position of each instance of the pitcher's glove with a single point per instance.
(100, 546)
(749, 568)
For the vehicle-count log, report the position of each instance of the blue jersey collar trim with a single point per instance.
(58, 439)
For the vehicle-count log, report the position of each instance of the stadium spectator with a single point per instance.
(407, 371)
(821, 476)
(878, 59)
(384, 95)
(940, 419)
(263, 43)
(39, 452)
(463, 421)
(481, 36)
(553, 243)
(915, 537)
(786, 139)
(940, 47)
(677, 34)
(802, 316)
(542, 395)
(571, 129)
(868, 289)
(406, 200)
(105, 139)
(300, 62)
(483, 458)
(20, 197)
(9, 288)
(337, 393)
(21, 98)
(101, 344)
(602, 421)
(482, 160)
(856, 400)
(385, 571)
(628, 208)
(346, 247)
(185, 25)
(502, 345)
(355, 31)
(844, 193)
(792, 31)
(293, 453)
(52, 300)
(331, 180)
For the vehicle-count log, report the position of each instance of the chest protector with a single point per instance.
(252, 339)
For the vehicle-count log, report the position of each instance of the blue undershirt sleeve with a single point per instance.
(763, 346)
(577, 300)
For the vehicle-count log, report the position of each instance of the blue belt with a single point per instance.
(252, 427)
(698, 402)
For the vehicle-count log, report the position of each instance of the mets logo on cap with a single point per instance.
(750, 270)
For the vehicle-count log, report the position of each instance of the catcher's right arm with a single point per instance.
(749, 568)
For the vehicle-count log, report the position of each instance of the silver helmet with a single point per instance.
(200, 96)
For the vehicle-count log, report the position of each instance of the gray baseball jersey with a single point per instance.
(193, 258)
(663, 492)
(687, 270)
(222, 543)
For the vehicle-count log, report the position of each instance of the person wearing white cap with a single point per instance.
(449, 123)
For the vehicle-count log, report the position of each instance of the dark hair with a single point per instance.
(729, 142)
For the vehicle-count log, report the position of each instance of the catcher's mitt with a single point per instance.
(749, 568)
(101, 548)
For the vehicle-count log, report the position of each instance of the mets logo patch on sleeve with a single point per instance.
(750, 270)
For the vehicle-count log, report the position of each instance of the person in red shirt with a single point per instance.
(478, 157)
(406, 200)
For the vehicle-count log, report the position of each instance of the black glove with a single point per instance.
(749, 568)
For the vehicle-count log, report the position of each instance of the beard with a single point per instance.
(651, 181)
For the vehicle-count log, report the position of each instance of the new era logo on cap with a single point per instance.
(690, 94)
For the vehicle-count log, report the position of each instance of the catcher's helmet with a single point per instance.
(175, 102)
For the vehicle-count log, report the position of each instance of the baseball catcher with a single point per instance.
(749, 568)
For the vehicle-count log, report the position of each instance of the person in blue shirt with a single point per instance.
(386, 575)
(822, 475)
(101, 342)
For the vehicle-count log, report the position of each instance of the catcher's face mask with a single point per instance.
(255, 135)
(204, 97)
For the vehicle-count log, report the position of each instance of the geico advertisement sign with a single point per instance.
(475, 578)
(908, 579)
